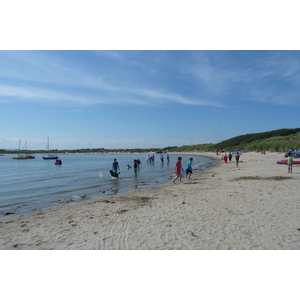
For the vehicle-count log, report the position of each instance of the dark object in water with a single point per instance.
(58, 162)
(113, 174)
(9, 213)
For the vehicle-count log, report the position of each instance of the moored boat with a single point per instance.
(26, 154)
(49, 156)
(20, 156)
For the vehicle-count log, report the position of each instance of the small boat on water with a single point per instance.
(20, 156)
(49, 156)
(284, 162)
(58, 162)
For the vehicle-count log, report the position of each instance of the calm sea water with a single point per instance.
(31, 184)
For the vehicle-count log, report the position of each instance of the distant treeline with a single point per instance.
(275, 140)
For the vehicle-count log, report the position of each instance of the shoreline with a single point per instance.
(95, 190)
(251, 207)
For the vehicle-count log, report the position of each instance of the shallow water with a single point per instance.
(27, 185)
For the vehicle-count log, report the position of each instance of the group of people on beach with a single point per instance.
(178, 169)
(151, 158)
(180, 172)
(116, 167)
(225, 158)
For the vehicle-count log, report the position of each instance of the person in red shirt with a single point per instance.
(177, 169)
(225, 158)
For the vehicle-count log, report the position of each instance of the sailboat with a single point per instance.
(49, 156)
(20, 156)
(27, 155)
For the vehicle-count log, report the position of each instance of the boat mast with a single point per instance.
(19, 147)
(48, 144)
(25, 146)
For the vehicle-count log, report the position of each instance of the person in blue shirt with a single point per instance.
(115, 166)
(189, 169)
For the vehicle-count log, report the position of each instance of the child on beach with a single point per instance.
(290, 163)
(237, 159)
(225, 158)
(177, 169)
(189, 169)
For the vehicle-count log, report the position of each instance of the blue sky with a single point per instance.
(142, 99)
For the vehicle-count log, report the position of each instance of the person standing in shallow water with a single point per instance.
(115, 166)
(177, 170)
(135, 166)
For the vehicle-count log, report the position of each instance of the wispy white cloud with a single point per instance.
(39, 68)
(171, 97)
(212, 77)
(267, 76)
(31, 94)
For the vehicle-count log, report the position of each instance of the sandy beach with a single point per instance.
(255, 206)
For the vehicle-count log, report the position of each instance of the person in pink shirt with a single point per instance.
(177, 169)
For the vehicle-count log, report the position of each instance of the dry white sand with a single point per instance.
(255, 206)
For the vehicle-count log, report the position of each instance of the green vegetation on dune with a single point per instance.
(275, 140)
(277, 143)
(270, 140)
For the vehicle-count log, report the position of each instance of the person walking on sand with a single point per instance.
(225, 158)
(177, 169)
(189, 169)
(290, 163)
(230, 156)
(115, 166)
(237, 159)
